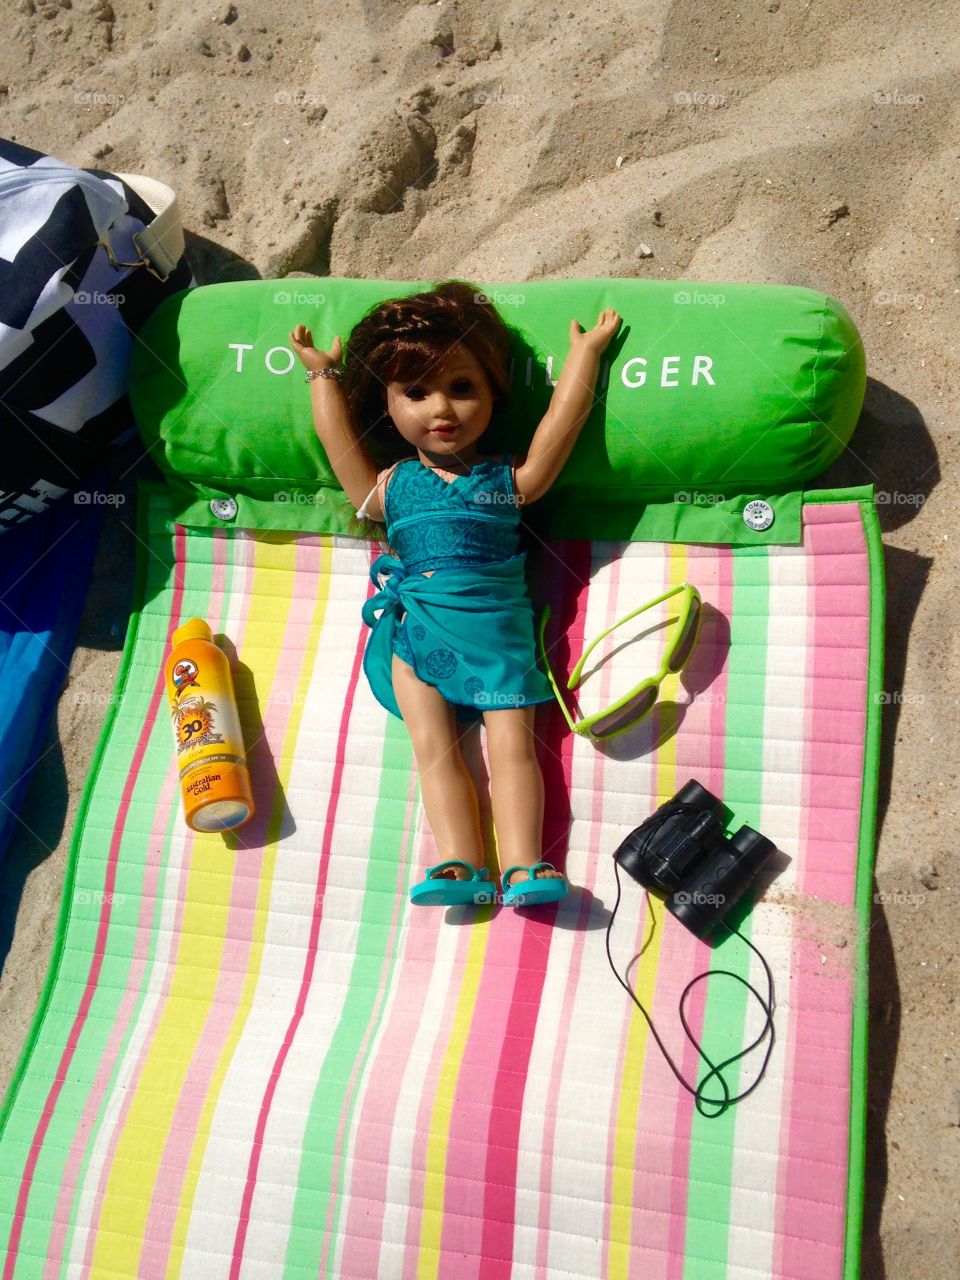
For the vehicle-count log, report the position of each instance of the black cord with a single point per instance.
(766, 1005)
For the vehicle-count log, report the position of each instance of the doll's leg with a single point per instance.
(446, 787)
(516, 787)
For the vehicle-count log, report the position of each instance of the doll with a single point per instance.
(452, 624)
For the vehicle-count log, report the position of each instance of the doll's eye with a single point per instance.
(461, 387)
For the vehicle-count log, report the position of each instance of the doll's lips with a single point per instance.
(445, 430)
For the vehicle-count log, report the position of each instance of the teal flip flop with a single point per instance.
(531, 891)
(440, 892)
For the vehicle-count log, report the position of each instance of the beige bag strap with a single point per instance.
(160, 243)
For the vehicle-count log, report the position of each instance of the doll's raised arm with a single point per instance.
(569, 408)
(351, 463)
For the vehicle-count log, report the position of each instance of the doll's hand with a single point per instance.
(310, 357)
(597, 338)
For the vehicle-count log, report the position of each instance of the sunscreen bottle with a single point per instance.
(214, 780)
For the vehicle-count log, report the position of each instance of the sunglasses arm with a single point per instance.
(574, 679)
(546, 661)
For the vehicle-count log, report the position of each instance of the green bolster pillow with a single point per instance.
(709, 394)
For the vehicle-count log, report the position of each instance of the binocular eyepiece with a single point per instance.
(681, 851)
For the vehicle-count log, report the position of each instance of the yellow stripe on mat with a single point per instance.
(628, 1113)
(435, 1174)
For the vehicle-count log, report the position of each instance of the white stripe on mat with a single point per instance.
(756, 1147)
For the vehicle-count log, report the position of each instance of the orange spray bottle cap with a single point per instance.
(195, 629)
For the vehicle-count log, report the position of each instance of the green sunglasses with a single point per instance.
(640, 700)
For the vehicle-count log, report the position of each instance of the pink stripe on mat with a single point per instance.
(93, 974)
(481, 1144)
(571, 621)
(377, 1120)
(812, 1186)
(495, 1201)
(368, 1197)
(431, 1078)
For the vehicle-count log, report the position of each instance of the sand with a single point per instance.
(798, 143)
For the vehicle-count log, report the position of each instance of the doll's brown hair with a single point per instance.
(403, 339)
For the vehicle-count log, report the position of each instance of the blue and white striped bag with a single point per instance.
(85, 257)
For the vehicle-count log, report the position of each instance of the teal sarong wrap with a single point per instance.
(470, 631)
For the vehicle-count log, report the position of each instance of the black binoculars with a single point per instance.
(681, 850)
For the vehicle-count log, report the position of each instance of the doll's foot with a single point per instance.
(526, 886)
(452, 883)
(544, 871)
(448, 871)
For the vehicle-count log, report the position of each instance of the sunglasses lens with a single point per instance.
(632, 710)
(687, 638)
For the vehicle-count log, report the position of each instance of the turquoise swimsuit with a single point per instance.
(468, 629)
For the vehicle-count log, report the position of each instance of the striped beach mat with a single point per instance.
(253, 1057)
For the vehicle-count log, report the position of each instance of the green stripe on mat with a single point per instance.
(712, 1140)
(387, 866)
(864, 896)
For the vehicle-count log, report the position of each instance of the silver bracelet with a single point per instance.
(331, 371)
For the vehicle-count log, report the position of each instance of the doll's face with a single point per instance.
(455, 395)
